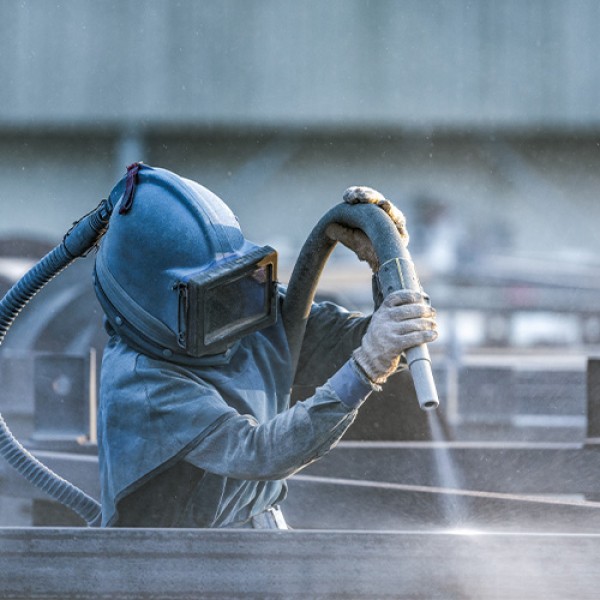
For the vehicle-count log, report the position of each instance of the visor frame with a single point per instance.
(194, 290)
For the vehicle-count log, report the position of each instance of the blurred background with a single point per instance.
(480, 119)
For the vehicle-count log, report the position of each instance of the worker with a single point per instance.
(195, 427)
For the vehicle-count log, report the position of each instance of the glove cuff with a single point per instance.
(365, 369)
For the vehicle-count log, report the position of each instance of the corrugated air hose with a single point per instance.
(81, 238)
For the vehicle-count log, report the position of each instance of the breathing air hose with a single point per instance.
(396, 271)
(83, 236)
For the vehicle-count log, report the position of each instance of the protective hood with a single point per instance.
(164, 230)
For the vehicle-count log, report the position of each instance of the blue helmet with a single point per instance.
(174, 274)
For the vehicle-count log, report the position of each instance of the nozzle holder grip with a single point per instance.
(399, 274)
(419, 364)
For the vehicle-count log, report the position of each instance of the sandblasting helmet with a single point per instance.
(174, 274)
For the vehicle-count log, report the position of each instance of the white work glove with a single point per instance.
(360, 194)
(402, 321)
(355, 239)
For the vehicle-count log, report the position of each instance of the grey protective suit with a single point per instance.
(195, 439)
(211, 445)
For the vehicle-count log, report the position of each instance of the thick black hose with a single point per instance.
(79, 240)
(396, 271)
(370, 219)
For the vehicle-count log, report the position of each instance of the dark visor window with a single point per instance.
(234, 305)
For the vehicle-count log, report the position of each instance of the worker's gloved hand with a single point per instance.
(360, 194)
(355, 240)
(402, 321)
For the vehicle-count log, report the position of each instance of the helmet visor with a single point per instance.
(228, 302)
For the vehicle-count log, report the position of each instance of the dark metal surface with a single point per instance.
(63, 412)
(593, 397)
(335, 503)
(528, 487)
(542, 468)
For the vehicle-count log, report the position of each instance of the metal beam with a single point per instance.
(175, 564)
(520, 468)
(396, 486)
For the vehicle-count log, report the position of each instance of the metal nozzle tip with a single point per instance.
(430, 405)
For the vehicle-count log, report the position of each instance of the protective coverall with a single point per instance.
(189, 438)
(210, 446)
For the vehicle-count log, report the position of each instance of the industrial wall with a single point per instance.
(489, 110)
(282, 63)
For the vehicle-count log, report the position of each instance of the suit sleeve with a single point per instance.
(241, 448)
(332, 333)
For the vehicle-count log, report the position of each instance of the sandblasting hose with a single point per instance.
(83, 236)
(396, 272)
